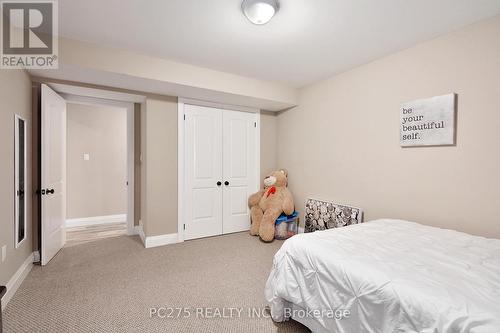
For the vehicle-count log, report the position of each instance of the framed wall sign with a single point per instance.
(428, 122)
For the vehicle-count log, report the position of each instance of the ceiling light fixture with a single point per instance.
(260, 11)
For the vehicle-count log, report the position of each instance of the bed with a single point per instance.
(387, 276)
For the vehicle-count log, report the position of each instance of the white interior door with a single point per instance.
(203, 171)
(53, 178)
(240, 168)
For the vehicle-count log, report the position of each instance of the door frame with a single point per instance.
(129, 106)
(181, 180)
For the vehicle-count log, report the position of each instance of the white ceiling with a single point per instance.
(308, 40)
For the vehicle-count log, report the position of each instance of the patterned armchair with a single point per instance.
(322, 215)
(3, 290)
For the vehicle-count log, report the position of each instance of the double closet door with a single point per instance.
(220, 170)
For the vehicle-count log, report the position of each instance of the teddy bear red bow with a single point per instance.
(269, 203)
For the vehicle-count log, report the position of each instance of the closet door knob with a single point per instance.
(219, 183)
(226, 183)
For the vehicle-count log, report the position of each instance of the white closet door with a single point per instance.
(240, 168)
(203, 170)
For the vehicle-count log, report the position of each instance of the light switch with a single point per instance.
(4, 252)
(86, 157)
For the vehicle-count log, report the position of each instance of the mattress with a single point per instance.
(387, 276)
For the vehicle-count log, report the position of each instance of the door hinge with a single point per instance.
(184, 227)
(184, 117)
(255, 124)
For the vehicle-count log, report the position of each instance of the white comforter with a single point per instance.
(391, 276)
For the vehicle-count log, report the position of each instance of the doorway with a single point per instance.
(96, 172)
(87, 168)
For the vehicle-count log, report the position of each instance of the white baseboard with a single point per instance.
(154, 241)
(36, 256)
(93, 220)
(136, 230)
(16, 280)
(140, 231)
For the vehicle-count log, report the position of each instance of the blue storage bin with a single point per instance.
(286, 226)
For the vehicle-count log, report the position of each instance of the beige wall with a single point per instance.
(342, 143)
(159, 166)
(162, 76)
(268, 143)
(96, 187)
(15, 98)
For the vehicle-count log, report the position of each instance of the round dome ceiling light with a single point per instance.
(260, 11)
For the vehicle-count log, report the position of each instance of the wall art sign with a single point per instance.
(428, 122)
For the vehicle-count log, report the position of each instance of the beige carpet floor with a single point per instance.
(111, 285)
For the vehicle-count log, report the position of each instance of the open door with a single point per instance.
(53, 175)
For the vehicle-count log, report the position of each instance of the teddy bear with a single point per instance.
(269, 203)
